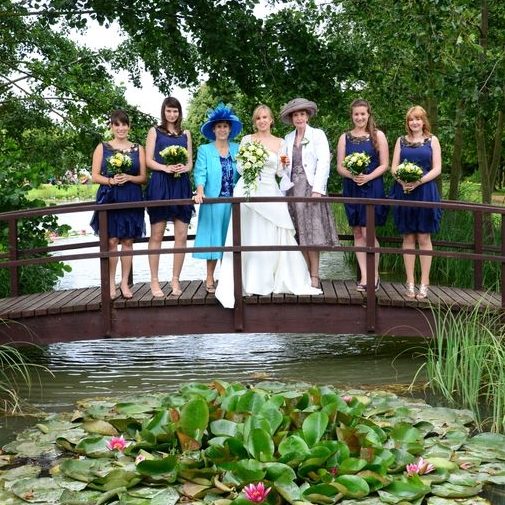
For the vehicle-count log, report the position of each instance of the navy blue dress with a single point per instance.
(124, 223)
(163, 186)
(356, 214)
(412, 219)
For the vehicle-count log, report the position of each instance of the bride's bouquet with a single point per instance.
(356, 163)
(173, 155)
(118, 163)
(252, 157)
(407, 171)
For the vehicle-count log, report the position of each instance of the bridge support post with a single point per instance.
(238, 315)
(104, 273)
(478, 223)
(371, 301)
(13, 256)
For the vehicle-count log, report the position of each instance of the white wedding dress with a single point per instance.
(266, 224)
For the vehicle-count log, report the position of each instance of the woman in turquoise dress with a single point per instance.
(417, 224)
(364, 138)
(119, 167)
(168, 182)
(215, 175)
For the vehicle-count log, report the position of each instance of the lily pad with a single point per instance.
(43, 490)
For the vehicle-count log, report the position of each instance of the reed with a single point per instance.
(15, 369)
(466, 362)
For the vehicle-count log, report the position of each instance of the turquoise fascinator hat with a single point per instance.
(221, 113)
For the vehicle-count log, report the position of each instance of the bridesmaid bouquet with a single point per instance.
(173, 155)
(118, 163)
(252, 157)
(407, 171)
(356, 163)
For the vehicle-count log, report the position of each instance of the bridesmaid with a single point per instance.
(416, 224)
(364, 138)
(123, 225)
(215, 176)
(168, 182)
(309, 152)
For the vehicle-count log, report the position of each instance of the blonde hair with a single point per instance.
(418, 112)
(262, 107)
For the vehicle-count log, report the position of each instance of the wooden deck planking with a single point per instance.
(68, 308)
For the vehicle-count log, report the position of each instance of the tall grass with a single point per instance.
(14, 369)
(466, 363)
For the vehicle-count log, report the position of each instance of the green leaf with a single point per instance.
(260, 445)
(351, 465)
(194, 418)
(226, 428)
(159, 467)
(352, 486)
(314, 426)
(293, 443)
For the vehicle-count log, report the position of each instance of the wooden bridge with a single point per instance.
(89, 313)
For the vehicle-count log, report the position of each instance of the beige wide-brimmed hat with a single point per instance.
(295, 105)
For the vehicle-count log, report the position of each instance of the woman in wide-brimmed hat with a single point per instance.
(215, 175)
(308, 168)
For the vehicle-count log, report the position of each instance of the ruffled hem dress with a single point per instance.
(124, 223)
(314, 222)
(412, 219)
(356, 213)
(267, 224)
(163, 186)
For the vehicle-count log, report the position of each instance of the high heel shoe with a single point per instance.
(423, 292)
(411, 291)
(176, 287)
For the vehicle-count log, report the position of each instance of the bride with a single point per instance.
(269, 224)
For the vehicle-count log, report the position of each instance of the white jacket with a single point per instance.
(315, 157)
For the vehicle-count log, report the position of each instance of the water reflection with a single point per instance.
(117, 367)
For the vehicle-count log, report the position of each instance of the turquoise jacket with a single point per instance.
(207, 171)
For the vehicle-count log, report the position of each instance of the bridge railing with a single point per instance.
(475, 250)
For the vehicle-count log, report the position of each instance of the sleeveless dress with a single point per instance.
(314, 222)
(356, 214)
(163, 186)
(411, 219)
(124, 223)
(269, 224)
(213, 219)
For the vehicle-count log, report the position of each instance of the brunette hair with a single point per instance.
(119, 116)
(371, 128)
(262, 106)
(172, 102)
(418, 112)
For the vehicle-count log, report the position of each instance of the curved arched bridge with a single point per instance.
(89, 313)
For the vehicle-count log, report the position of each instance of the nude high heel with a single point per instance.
(410, 292)
(423, 292)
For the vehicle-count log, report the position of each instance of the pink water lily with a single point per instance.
(116, 444)
(422, 467)
(347, 398)
(466, 465)
(256, 493)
